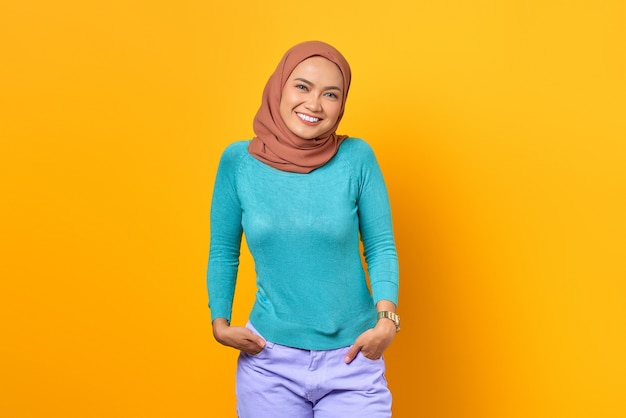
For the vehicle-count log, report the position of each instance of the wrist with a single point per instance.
(389, 317)
(386, 326)
(219, 325)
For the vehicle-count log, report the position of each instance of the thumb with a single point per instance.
(354, 350)
(254, 338)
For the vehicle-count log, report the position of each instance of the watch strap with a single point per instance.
(390, 315)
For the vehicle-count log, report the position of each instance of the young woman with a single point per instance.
(304, 196)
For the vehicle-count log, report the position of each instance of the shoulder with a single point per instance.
(357, 152)
(356, 146)
(234, 153)
(236, 149)
(232, 158)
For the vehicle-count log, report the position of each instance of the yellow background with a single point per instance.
(500, 127)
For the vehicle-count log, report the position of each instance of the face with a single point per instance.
(311, 99)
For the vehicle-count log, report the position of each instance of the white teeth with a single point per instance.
(307, 118)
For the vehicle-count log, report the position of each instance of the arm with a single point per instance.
(226, 235)
(380, 256)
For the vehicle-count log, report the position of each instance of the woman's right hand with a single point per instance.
(240, 338)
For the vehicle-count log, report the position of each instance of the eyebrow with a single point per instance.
(311, 84)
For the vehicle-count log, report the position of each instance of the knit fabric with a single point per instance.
(303, 232)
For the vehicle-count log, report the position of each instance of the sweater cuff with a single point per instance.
(220, 308)
(385, 291)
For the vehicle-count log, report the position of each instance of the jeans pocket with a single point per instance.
(268, 344)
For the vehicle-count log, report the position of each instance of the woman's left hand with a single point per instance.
(373, 342)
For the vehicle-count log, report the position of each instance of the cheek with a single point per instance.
(284, 100)
(284, 108)
(333, 112)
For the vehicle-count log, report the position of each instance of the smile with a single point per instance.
(307, 118)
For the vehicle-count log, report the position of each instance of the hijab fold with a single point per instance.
(274, 143)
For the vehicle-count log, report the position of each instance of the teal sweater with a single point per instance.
(303, 233)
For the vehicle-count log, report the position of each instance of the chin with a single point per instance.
(305, 134)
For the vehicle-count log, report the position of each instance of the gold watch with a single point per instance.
(390, 315)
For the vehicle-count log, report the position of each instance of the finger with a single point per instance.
(372, 356)
(253, 347)
(259, 341)
(255, 339)
(254, 343)
(354, 350)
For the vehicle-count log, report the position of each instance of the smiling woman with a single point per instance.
(311, 101)
(276, 142)
(316, 329)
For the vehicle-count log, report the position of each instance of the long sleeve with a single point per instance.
(377, 232)
(226, 234)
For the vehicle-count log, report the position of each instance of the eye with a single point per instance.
(302, 87)
(331, 95)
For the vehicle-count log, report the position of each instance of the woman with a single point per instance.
(304, 196)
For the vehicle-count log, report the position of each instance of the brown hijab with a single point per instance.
(274, 143)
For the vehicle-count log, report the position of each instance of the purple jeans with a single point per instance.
(288, 382)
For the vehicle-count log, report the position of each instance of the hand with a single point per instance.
(240, 338)
(373, 342)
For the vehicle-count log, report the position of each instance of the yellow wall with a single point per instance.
(501, 129)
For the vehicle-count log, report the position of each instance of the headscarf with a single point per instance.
(274, 143)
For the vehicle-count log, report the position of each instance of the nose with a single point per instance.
(313, 104)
